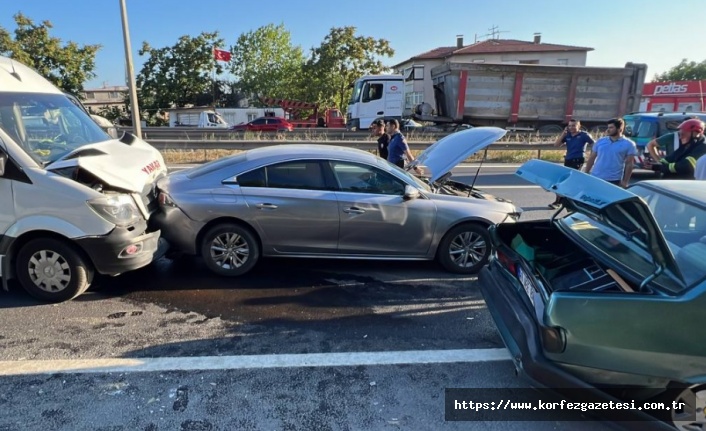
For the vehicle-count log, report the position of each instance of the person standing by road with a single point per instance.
(575, 141)
(398, 147)
(682, 162)
(669, 143)
(383, 138)
(700, 171)
(612, 156)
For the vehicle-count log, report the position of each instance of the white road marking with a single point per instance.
(217, 363)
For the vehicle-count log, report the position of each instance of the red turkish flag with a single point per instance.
(221, 55)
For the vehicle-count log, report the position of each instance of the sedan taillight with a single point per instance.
(165, 200)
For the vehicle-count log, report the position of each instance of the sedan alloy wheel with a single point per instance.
(230, 249)
(464, 249)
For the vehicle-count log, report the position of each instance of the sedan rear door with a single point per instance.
(291, 207)
(375, 218)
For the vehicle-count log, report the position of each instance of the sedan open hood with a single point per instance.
(128, 167)
(620, 209)
(451, 150)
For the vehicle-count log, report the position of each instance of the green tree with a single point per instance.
(684, 71)
(179, 74)
(67, 65)
(340, 59)
(265, 63)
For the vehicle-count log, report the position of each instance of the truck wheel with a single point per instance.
(53, 271)
(464, 249)
(229, 249)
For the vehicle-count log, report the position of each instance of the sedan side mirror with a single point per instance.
(3, 162)
(410, 193)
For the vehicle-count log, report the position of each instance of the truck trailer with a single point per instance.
(537, 97)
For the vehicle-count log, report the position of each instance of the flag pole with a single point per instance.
(214, 79)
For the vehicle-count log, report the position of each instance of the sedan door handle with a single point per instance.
(266, 206)
(353, 210)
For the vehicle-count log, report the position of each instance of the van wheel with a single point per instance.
(230, 250)
(464, 249)
(52, 270)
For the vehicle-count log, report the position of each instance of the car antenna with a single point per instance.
(485, 154)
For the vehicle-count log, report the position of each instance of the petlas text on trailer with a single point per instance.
(73, 200)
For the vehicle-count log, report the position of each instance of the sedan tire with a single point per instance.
(230, 249)
(464, 249)
(53, 271)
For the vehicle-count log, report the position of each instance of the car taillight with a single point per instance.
(165, 200)
(506, 261)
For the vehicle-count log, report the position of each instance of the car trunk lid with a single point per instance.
(622, 210)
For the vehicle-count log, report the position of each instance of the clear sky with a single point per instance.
(657, 33)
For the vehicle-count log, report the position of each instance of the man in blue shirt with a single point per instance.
(611, 158)
(397, 148)
(575, 141)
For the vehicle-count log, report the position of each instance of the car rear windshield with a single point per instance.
(215, 165)
(683, 225)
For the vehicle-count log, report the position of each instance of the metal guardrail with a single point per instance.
(197, 145)
(191, 133)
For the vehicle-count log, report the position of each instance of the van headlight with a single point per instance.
(120, 210)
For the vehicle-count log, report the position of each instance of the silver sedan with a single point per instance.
(331, 202)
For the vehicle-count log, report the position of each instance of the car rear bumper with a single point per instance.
(519, 330)
(177, 228)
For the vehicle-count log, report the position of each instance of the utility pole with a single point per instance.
(136, 126)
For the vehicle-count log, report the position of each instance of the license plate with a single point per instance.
(526, 284)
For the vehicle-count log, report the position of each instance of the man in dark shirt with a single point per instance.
(378, 129)
(575, 141)
(681, 163)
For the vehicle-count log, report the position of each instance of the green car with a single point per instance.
(610, 292)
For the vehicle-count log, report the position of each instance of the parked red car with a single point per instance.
(265, 124)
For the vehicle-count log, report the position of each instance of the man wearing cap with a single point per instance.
(378, 127)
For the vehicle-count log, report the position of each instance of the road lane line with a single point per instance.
(349, 359)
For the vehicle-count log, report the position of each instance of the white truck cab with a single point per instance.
(375, 97)
(73, 200)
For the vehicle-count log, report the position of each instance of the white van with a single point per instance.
(73, 200)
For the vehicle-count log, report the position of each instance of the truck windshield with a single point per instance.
(47, 126)
(356, 92)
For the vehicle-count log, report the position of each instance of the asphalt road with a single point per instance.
(294, 345)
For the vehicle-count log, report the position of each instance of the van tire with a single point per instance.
(244, 248)
(41, 263)
(464, 249)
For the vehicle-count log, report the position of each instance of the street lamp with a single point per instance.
(137, 127)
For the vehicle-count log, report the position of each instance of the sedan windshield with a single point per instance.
(47, 126)
(421, 184)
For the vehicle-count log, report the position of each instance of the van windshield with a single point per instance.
(47, 126)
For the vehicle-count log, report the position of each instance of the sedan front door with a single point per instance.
(375, 218)
(291, 207)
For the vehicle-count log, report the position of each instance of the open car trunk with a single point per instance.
(559, 263)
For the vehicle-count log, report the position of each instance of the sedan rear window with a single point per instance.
(288, 175)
